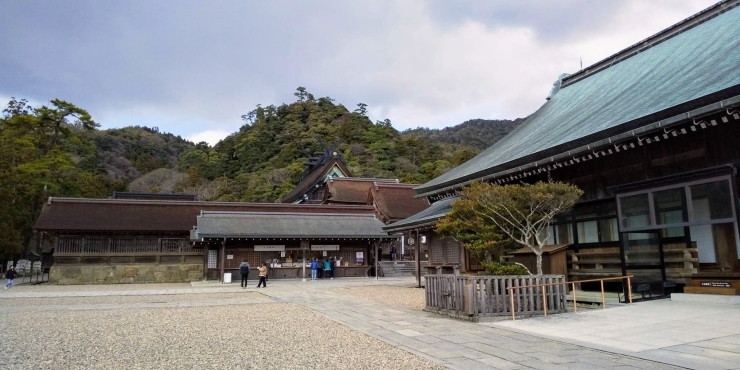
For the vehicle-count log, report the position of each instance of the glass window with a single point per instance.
(564, 234)
(670, 206)
(588, 232)
(608, 230)
(711, 201)
(635, 211)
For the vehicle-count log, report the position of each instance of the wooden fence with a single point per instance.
(491, 294)
(103, 245)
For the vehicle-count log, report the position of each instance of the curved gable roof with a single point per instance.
(671, 77)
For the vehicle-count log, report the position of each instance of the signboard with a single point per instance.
(325, 254)
(229, 256)
(269, 248)
(360, 257)
(282, 254)
(318, 247)
(412, 241)
(716, 284)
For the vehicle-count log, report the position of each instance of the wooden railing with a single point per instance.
(492, 296)
(543, 288)
(680, 262)
(103, 245)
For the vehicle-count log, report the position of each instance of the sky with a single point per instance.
(194, 67)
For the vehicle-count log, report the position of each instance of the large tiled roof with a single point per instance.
(112, 215)
(396, 201)
(688, 66)
(426, 217)
(352, 190)
(287, 225)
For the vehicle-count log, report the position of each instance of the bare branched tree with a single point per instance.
(522, 212)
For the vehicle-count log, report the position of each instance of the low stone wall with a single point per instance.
(125, 274)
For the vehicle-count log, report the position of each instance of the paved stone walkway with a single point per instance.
(455, 344)
(693, 335)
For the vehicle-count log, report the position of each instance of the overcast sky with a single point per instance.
(194, 67)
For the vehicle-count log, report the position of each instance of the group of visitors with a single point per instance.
(9, 277)
(244, 269)
(323, 269)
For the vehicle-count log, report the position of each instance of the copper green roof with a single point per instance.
(287, 225)
(426, 217)
(688, 66)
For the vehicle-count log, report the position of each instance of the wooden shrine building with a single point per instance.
(134, 240)
(650, 134)
(288, 241)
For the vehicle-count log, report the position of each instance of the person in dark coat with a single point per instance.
(244, 271)
(9, 277)
(393, 253)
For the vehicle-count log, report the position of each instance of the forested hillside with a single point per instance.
(59, 151)
(477, 133)
(263, 161)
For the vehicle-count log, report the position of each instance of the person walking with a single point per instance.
(9, 277)
(263, 276)
(314, 268)
(244, 271)
(393, 253)
(327, 269)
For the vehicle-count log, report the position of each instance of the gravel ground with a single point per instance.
(12, 302)
(411, 298)
(89, 288)
(260, 336)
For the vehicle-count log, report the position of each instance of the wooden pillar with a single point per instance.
(205, 262)
(418, 258)
(304, 249)
(377, 259)
(221, 261)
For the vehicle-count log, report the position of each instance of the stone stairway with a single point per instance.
(399, 268)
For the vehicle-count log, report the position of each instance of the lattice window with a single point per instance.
(212, 259)
(437, 250)
(452, 251)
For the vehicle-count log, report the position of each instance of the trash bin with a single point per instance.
(227, 278)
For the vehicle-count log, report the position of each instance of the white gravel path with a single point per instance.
(411, 298)
(255, 336)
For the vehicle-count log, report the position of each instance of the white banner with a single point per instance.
(269, 248)
(324, 247)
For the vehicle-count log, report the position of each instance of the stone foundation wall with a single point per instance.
(125, 274)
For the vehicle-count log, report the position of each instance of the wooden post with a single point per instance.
(575, 304)
(304, 249)
(418, 258)
(513, 311)
(205, 262)
(221, 261)
(377, 260)
(629, 289)
(544, 300)
(603, 300)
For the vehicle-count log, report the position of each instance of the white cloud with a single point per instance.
(194, 69)
(210, 136)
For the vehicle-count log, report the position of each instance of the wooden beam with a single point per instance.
(222, 261)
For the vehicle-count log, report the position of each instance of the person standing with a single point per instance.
(314, 268)
(244, 271)
(393, 253)
(9, 277)
(263, 276)
(327, 268)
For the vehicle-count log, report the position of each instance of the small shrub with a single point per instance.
(497, 268)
